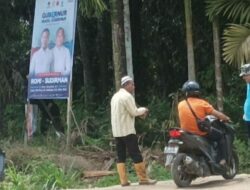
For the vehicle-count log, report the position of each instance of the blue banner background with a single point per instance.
(52, 14)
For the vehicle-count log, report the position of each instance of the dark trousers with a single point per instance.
(128, 143)
(46, 122)
(44, 125)
(247, 123)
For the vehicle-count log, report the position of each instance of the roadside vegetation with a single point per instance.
(43, 163)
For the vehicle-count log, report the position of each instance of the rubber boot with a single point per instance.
(141, 173)
(122, 174)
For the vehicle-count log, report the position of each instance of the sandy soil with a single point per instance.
(240, 182)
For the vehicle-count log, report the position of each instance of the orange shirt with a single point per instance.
(187, 119)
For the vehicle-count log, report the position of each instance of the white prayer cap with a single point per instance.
(245, 70)
(125, 79)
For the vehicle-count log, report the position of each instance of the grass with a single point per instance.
(31, 168)
(39, 175)
(46, 175)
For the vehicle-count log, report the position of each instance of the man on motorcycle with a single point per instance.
(201, 108)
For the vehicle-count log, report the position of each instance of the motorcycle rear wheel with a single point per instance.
(181, 178)
(232, 167)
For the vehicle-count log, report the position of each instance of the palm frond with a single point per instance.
(92, 8)
(237, 10)
(236, 44)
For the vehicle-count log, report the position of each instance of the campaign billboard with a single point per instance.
(52, 49)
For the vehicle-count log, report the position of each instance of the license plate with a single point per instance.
(171, 149)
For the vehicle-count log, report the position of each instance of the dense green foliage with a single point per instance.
(48, 176)
(159, 51)
(244, 153)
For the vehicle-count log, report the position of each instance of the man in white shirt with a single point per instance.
(42, 59)
(123, 113)
(62, 59)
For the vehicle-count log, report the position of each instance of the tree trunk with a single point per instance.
(217, 62)
(81, 27)
(190, 48)
(119, 59)
(128, 40)
(103, 59)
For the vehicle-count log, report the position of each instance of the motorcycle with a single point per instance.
(190, 156)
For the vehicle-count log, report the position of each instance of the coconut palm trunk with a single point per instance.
(128, 40)
(217, 62)
(81, 28)
(119, 57)
(189, 39)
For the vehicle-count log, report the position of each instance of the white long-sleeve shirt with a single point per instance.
(41, 61)
(62, 60)
(123, 113)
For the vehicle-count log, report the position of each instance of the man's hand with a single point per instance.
(143, 116)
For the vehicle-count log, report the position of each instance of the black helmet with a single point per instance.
(191, 88)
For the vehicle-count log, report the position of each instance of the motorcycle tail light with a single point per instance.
(174, 133)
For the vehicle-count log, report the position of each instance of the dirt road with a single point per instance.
(240, 182)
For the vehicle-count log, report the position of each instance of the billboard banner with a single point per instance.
(52, 49)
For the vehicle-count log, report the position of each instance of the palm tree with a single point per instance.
(128, 40)
(87, 9)
(217, 63)
(217, 59)
(119, 57)
(236, 37)
(190, 48)
(236, 47)
(92, 8)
